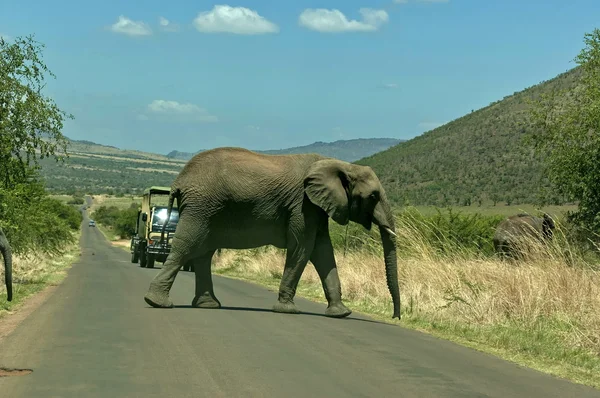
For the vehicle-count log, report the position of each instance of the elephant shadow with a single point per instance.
(302, 313)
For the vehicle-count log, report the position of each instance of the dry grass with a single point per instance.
(32, 274)
(473, 292)
(542, 311)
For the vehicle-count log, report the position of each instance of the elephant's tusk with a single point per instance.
(390, 232)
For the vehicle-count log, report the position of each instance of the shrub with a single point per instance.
(122, 221)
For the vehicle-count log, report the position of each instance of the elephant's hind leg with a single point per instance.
(189, 235)
(205, 295)
(323, 259)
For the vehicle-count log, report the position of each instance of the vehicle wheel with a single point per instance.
(151, 260)
(135, 256)
(143, 258)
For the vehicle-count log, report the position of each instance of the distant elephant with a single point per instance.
(7, 255)
(238, 199)
(511, 230)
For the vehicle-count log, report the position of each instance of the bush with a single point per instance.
(76, 200)
(445, 233)
(122, 221)
(33, 221)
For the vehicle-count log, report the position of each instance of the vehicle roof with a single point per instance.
(157, 189)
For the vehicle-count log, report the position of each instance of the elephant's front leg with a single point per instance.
(323, 259)
(205, 295)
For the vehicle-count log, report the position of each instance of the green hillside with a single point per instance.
(478, 157)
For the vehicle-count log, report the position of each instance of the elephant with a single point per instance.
(510, 230)
(6, 251)
(234, 198)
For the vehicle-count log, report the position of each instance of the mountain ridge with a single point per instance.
(348, 150)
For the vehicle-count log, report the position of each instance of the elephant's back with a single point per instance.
(241, 174)
(515, 225)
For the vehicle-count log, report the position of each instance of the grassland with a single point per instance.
(538, 313)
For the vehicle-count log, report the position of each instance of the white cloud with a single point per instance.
(5, 37)
(167, 25)
(237, 20)
(141, 116)
(334, 21)
(184, 111)
(391, 86)
(126, 26)
(400, 1)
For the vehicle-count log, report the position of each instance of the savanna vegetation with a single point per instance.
(42, 230)
(533, 151)
(541, 312)
(120, 222)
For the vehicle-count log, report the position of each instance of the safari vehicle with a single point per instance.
(145, 244)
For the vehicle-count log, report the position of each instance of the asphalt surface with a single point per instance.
(96, 337)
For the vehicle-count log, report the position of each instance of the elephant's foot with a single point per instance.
(206, 302)
(337, 310)
(157, 300)
(287, 307)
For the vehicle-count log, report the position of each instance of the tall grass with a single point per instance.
(35, 271)
(544, 306)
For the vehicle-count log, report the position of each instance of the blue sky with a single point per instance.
(274, 74)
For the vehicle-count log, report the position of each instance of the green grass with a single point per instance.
(487, 209)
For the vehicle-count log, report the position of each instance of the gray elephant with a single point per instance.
(511, 230)
(238, 199)
(7, 255)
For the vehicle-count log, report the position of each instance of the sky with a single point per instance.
(269, 74)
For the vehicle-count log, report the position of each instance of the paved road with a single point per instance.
(96, 337)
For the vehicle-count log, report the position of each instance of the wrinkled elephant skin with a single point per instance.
(238, 199)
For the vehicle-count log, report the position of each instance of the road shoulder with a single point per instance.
(33, 284)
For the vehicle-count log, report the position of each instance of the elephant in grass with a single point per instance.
(7, 256)
(238, 199)
(511, 230)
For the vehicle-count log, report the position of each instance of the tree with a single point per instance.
(566, 136)
(30, 123)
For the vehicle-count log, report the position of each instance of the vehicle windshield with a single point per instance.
(158, 219)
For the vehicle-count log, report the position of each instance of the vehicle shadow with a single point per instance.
(304, 313)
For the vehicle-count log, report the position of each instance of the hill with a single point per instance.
(99, 168)
(348, 150)
(476, 158)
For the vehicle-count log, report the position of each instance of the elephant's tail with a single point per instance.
(172, 195)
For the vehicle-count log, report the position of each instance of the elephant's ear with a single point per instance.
(327, 185)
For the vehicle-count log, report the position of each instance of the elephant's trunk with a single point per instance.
(383, 217)
(7, 255)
